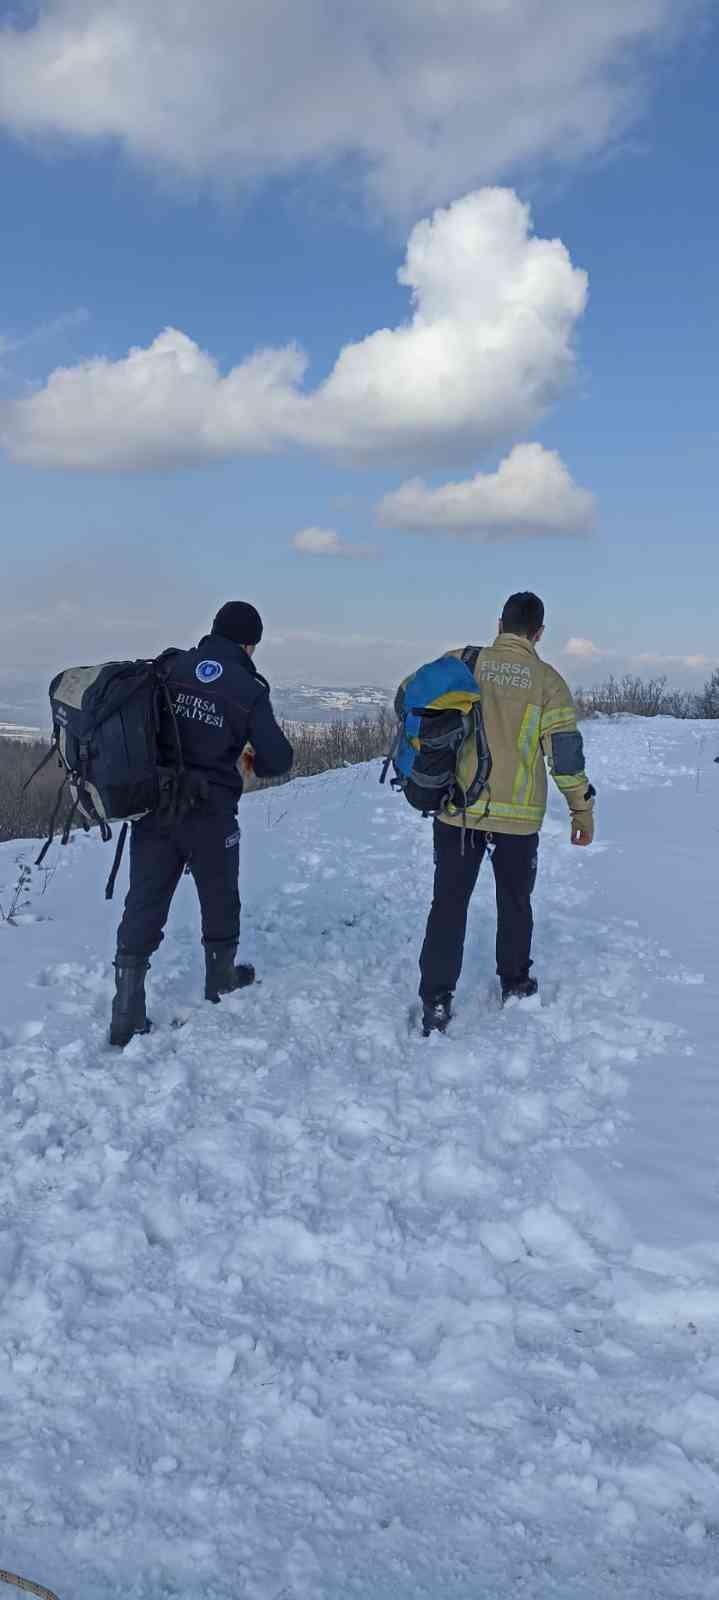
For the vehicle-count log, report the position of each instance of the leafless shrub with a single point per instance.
(638, 697)
(324, 747)
(17, 899)
(25, 813)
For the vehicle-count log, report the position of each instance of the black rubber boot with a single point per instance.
(436, 1014)
(128, 1007)
(519, 991)
(222, 976)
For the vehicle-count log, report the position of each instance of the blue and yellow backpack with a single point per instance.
(440, 757)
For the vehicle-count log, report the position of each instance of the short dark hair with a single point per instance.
(523, 614)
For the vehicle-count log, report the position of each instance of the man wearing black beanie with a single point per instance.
(226, 727)
(240, 622)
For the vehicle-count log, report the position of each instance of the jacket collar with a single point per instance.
(226, 650)
(517, 641)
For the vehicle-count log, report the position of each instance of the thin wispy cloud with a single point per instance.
(91, 605)
(619, 658)
(45, 332)
(689, 663)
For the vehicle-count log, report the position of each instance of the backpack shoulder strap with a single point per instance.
(161, 667)
(119, 852)
(471, 655)
(52, 751)
(163, 663)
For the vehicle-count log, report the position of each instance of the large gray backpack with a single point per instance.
(107, 722)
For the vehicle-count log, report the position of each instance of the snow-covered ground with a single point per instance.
(296, 1304)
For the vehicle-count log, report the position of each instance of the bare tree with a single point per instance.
(708, 700)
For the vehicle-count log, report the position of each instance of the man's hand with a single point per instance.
(247, 761)
(581, 836)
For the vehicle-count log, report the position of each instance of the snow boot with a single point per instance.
(128, 1007)
(436, 1014)
(519, 991)
(222, 976)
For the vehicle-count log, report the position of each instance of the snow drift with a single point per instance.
(297, 1304)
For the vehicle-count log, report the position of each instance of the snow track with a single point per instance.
(294, 1303)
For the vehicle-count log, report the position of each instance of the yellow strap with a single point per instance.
(521, 813)
(496, 808)
(563, 782)
(564, 718)
(527, 745)
(26, 1585)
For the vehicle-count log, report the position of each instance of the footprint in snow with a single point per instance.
(22, 1034)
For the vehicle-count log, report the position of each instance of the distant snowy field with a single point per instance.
(13, 730)
(295, 1304)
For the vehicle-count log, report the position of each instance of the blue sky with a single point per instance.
(115, 229)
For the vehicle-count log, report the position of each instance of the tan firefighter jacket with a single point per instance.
(528, 714)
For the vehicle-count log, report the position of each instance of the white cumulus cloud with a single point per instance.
(487, 348)
(530, 494)
(583, 649)
(327, 542)
(424, 99)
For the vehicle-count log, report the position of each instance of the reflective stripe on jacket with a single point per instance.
(528, 714)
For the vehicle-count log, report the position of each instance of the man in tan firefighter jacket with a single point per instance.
(529, 715)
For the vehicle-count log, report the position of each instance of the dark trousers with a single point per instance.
(207, 842)
(514, 859)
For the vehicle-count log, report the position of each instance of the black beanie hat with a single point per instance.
(238, 621)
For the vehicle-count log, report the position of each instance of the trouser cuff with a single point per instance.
(132, 958)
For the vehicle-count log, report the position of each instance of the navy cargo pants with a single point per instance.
(207, 842)
(514, 859)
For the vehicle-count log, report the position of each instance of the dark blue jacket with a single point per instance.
(222, 703)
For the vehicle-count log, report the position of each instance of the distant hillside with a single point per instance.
(310, 703)
(24, 704)
(293, 703)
